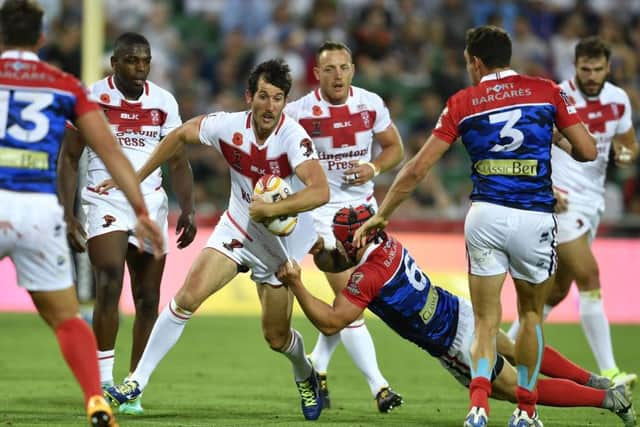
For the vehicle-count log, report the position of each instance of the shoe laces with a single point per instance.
(306, 393)
(129, 387)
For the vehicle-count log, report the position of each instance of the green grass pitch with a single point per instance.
(221, 373)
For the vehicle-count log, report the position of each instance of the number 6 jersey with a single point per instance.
(506, 123)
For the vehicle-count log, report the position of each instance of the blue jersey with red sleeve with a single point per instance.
(506, 124)
(389, 282)
(36, 99)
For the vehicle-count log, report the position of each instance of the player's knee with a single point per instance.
(277, 340)
(147, 304)
(556, 295)
(588, 278)
(109, 275)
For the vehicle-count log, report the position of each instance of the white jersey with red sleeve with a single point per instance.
(285, 149)
(137, 125)
(341, 134)
(606, 116)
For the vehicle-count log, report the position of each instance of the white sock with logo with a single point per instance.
(596, 328)
(164, 335)
(106, 360)
(358, 343)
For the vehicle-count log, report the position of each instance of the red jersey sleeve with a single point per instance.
(84, 100)
(363, 286)
(447, 127)
(566, 113)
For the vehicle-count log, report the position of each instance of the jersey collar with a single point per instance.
(372, 247)
(498, 75)
(26, 55)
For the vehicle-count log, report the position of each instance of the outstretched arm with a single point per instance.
(327, 319)
(406, 181)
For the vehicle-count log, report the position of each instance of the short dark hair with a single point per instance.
(592, 47)
(332, 45)
(21, 22)
(491, 44)
(127, 40)
(275, 72)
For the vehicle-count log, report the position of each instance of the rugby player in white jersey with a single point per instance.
(343, 121)
(579, 190)
(140, 114)
(256, 142)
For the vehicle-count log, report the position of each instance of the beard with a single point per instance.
(590, 91)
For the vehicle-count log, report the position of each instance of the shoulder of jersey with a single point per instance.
(156, 90)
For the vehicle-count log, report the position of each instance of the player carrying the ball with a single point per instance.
(254, 143)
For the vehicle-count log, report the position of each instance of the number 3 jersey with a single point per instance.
(36, 99)
(137, 125)
(506, 123)
(389, 282)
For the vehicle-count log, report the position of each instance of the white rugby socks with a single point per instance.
(164, 336)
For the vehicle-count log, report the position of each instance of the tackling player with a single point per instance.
(343, 121)
(579, 189)
(253, 143)
(140, 114)
(388, 281)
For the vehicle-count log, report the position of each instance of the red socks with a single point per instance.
(561, 392)
(479, 392)
(78, 347)
(527, 399)
(555, 365)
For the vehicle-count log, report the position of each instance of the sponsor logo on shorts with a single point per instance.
(233, 244)
(108, 220)
(507, 167)
(579, 223)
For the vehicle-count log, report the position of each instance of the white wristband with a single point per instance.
(376, 171)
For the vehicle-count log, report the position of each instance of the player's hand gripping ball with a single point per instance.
(272, 188)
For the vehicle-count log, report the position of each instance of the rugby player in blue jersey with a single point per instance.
(388, 281)
(506, 122)
(36, 101)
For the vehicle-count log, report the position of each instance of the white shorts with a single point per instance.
(500, 239)
(253, 246)
(458, 359)
(34, 235)
(108, 213)
(573, 224)
(323, 217)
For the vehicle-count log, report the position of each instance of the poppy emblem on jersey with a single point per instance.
(108, 220)
(237, 138)
(105, 98)
(352, 286)
(233, 244)
(316, 110)
(308, 147)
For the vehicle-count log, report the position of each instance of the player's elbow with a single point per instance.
(586, 152)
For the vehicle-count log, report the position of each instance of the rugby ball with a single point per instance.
(272, 188)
